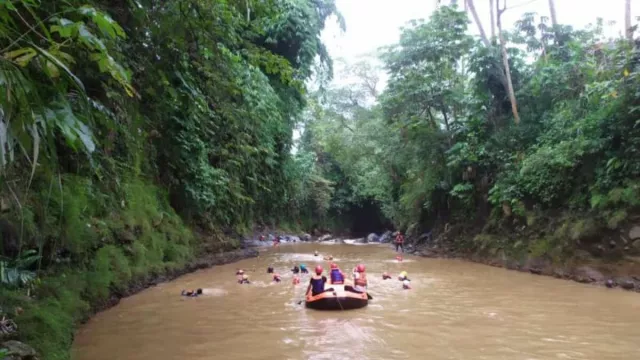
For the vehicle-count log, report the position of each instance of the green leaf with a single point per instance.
(60, 65)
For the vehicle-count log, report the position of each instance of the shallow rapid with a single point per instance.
(455, 310)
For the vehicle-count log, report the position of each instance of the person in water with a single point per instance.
(399, 258)
(296, 280)
(406, 284)
(403, 276)
(400, 242)
(270, 270)
(303, 269)
(295, 269)
(192, 293)
(239, 274)
(386, 276)
(360, 280)
(244, 279)
(315, 253)
(317, 281)
(276, 278)
(337, 277)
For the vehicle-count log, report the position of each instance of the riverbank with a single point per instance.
(30, 312)
(204, 262)
(618, 266)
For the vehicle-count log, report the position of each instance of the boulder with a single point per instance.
(634, 233)
(536, 271)
(324, 237)
(294, 239)
(306, 237)
(425, 238)
(19, 351)
(626, 283)
(372, 238)
(636, 245)
(386, 237)
(559, 273)
(589, 273)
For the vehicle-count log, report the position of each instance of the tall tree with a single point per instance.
(627, 20)
(493, 19)
(476, 18)
(552, 10)
(505, 62)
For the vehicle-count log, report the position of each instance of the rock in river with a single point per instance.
(325, 237)
(372, 238)
(588, 274)
(626, 283)
(386, 237)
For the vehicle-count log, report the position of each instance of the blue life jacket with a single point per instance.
(336, 276)
(317, 285)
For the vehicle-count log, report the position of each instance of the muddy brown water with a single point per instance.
(456, 310)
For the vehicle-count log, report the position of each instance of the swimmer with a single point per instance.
(239, 274)
(270, 270)
(406, 284)
(192, 293)
(303, 269)
(244, 280)
(385, 276)
(403, 276)
(276, 277)
(315, 253)
(296, 280)
(295, 269)
(399, 258)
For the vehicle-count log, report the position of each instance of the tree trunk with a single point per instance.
(627, 20)
(493, 19)
(474, 13)
(552, 10)
(505, 61)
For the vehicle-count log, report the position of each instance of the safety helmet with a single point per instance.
(319, 270)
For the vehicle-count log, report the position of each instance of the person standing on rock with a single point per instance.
(399, 241)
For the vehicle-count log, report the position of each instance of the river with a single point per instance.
(455, 310)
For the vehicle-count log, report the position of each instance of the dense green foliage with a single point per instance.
(123, 123)
(439, 144)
